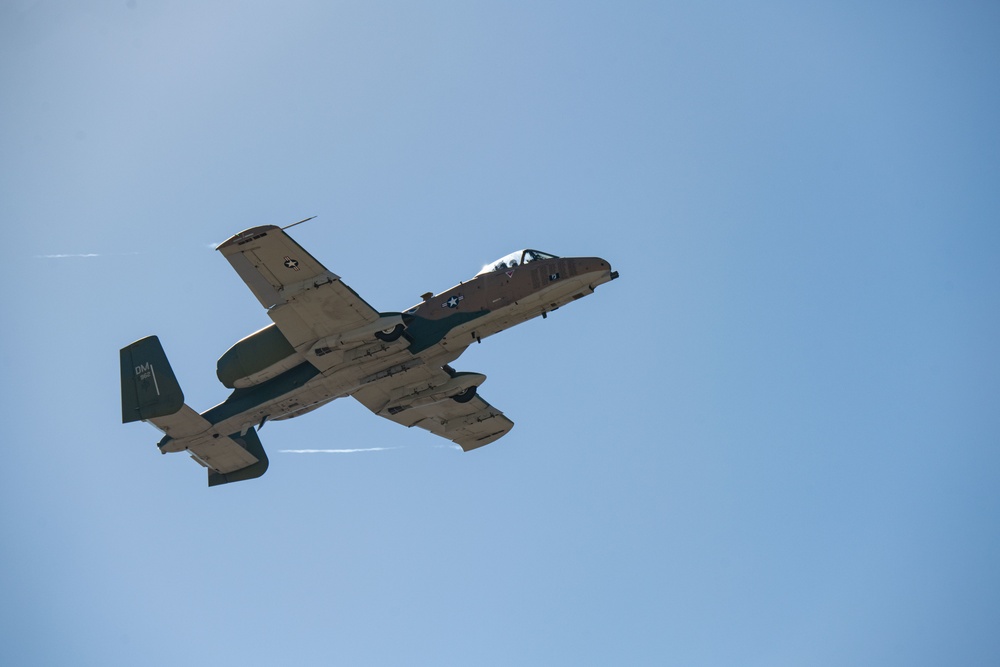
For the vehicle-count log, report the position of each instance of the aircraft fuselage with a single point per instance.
(435, 331)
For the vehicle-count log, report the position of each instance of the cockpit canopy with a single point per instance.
(515, 259)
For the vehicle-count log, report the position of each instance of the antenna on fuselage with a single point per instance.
(297, 223)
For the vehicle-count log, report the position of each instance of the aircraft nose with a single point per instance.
(597, 265)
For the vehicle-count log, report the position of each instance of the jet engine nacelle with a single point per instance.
(266, 354)
(257, 358)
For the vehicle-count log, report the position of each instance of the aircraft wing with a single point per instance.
(304, 298)
(419, 397)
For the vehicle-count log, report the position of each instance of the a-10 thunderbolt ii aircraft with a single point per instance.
(326, 342)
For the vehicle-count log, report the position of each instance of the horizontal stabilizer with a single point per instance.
(251, 444)
(185, 423)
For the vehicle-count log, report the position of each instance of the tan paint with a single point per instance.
(514, 295)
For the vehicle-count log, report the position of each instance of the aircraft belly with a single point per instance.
(300, 400)
(338, 383)
(305, 400)
(334, 382)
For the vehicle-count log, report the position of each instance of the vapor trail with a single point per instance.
(336, 451)
(64, 255)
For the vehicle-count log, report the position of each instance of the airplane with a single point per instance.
(325, 342)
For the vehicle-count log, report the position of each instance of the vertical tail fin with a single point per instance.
(149, 387)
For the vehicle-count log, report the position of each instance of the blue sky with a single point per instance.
(772, 442)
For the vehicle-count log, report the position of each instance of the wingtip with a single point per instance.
(246, 235)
